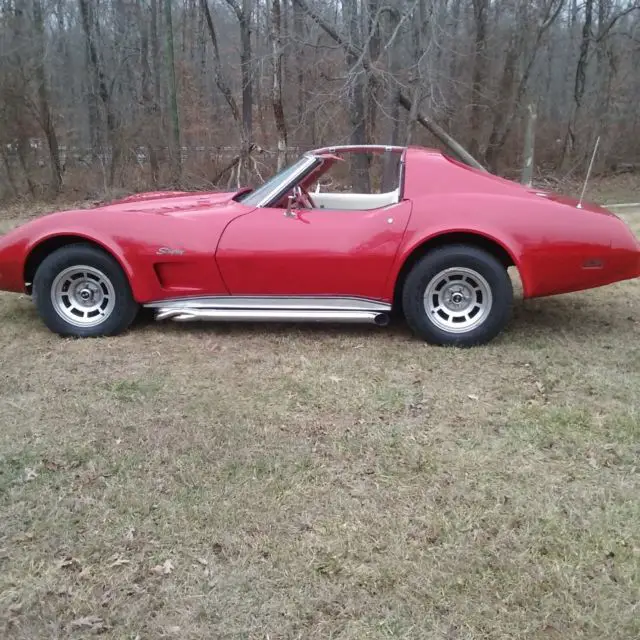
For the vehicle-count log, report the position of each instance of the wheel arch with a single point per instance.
(46, 246)
(470, 238)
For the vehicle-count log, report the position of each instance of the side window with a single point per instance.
(363, 181)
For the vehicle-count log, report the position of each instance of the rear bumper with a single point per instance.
(578, 266)
(626, 247)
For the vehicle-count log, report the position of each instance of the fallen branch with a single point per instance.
(442, 135)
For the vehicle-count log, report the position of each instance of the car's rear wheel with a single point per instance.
(457, 295)
(82, 291)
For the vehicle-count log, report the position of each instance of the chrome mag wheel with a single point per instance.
(458, 300)
(83, 296)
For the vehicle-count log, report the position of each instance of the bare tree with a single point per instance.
(135, 94)
(529, 146)
(176, 146)
(404, 101)
(480, 66)
(243, 12)
(276, 95)
(150, 105)
(508, 100)
(104, 91)
(44, 105)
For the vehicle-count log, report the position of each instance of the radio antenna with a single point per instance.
(593, 158)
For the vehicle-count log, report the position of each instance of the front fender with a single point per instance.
(161, 255)
(20, 245)
(93, 236)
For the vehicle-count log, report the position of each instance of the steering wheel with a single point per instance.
(302, 198)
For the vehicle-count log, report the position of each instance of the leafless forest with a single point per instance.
(102, 95)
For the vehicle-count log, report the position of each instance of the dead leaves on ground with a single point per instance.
(69, 563)
(118, 561)
(165, 568)
(89, 623)
(30, 474)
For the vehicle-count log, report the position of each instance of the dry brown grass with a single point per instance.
(319, 482)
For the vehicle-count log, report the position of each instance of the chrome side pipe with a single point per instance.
(187, 314)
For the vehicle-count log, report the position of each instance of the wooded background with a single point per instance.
(99, 95)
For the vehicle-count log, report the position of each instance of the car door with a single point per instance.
(271, 251)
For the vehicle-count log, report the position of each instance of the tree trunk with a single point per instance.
(480, 12)
(8, 170)
(176, 147)
(392, 106)
(246, 62)
(508, 103)
(299, 62)
(155, 56)
(149, 106)
(220, 79)
(502, 108)
(569, 145)
(243, 11)
(103, 90)
(529, 145)
(419, 36)
(45, 116)
(96, 137)
(356, 101)
(276, 96)
(22, 149)
(372, 88)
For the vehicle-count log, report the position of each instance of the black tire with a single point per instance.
(490, 319)
(120, 307)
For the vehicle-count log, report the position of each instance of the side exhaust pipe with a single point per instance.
(382, 319)
(187, 314)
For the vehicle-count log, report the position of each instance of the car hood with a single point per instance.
(170, 202)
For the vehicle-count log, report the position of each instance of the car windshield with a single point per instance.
(254, 198)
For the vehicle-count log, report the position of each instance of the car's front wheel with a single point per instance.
(457, 295)
(82, 291)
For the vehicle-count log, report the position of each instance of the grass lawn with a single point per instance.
(249, 481)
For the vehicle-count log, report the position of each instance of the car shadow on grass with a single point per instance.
(583, 316)
(397, 327)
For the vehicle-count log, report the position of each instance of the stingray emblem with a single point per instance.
(169, 251)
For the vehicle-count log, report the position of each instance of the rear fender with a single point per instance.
(507, 250)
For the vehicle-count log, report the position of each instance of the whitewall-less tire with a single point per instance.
(82, 291)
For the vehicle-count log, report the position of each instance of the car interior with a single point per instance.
(330, 185)
(354, 201)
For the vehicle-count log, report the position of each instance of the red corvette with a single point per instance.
(435, 245)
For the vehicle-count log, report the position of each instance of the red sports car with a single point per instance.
(432, 240)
